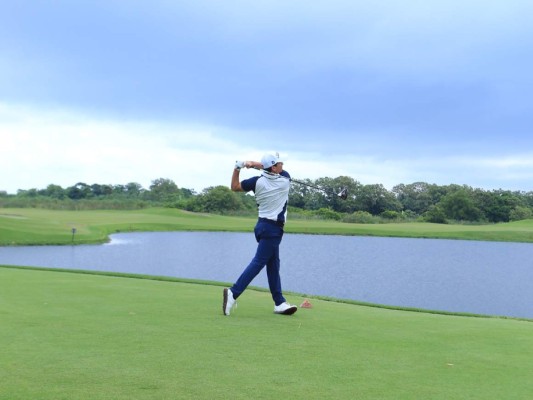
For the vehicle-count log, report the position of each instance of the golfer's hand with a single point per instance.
(245, 164)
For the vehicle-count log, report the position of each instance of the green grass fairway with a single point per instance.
(40, 226)
(26, 226)
(78, 336)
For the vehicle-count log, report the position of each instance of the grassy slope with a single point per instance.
(72, 336)
(38, 226)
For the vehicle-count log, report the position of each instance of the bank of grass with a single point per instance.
(39, 226)
(83, 336)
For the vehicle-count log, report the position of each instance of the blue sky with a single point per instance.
(385, 92)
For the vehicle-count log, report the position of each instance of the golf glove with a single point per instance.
(239, 164)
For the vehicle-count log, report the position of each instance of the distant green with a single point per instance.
(27, 226)
(78, 336)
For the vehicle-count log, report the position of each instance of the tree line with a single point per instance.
(365, 203)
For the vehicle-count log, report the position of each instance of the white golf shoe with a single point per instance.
(228, 302)
(285, 309)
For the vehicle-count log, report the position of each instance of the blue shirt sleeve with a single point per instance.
(249, 184)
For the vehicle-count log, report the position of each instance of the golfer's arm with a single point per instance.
(235, 183)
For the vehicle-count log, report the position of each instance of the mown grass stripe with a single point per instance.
(260, 289)
(39, 226)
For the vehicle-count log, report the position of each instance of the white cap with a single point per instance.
(269, 160)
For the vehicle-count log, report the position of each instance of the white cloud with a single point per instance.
(42, 147)
(39, 148)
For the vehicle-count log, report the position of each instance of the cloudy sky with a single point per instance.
(388, 92)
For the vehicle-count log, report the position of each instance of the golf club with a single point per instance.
(343, 194)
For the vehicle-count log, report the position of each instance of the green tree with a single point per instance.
(436, 215)
(375, 199)
(520, 213)
(134, 189)
(417, 197)
(218, 200)
(79, 191)
(119, 189)
(527, 197)
(353, 187)
(28, 192)
(54, 191)
(164, 190)
(459, 205)
(310, 198)
(305, 196)
(505, 202)
(98, 190)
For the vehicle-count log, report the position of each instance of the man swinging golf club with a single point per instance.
(271, 190)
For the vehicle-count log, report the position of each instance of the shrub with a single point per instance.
(436, 215)
(360, 217)
(326, 213)
(519, 213)
(391, 215)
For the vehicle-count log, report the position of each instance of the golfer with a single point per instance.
(271, 190)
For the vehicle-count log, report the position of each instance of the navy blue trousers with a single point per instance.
(268, 236)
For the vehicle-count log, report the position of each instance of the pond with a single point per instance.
(493, 278)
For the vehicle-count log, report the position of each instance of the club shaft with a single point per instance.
(307, 184)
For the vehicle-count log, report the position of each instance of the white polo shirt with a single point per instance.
(271, 194)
